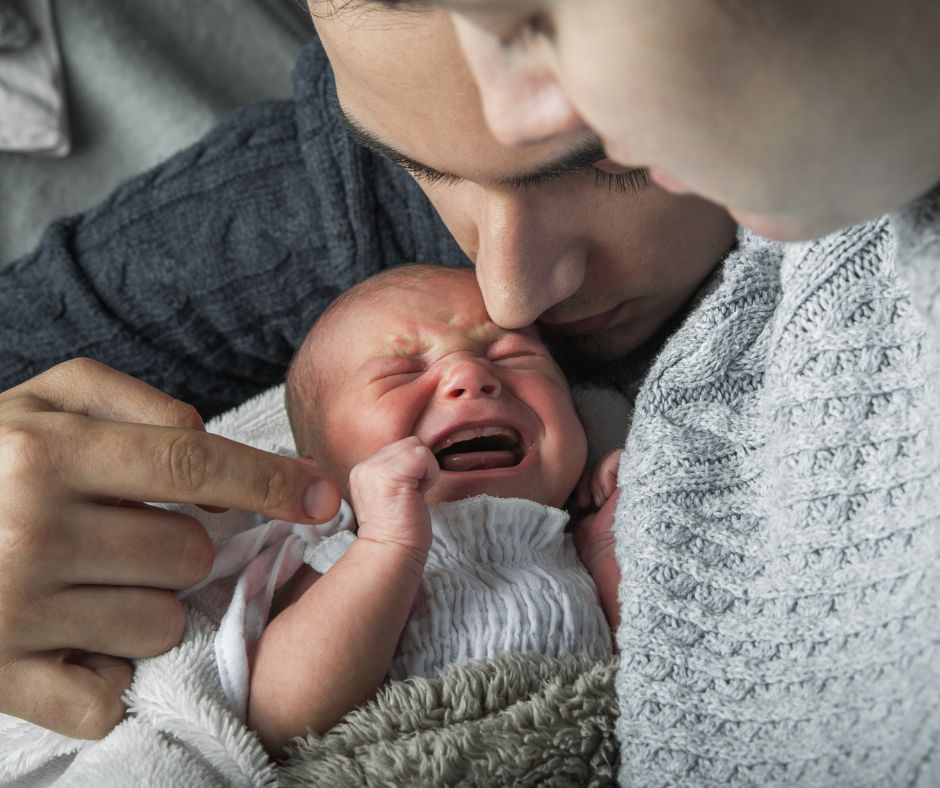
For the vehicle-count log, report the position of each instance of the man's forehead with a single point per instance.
(578, 153)
(405, 92)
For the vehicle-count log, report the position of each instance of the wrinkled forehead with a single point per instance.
(387, 59)
(401, 76)
(404, 317)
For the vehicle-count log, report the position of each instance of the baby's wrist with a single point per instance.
(410, 556)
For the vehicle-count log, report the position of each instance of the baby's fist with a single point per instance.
(387, 492)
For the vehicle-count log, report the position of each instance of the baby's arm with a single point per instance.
(328, 651)
(593, 536)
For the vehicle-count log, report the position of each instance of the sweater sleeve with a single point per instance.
(204, 274)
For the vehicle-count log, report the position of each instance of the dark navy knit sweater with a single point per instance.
(203, 275)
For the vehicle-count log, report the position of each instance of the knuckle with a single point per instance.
(81, 366)
(357, 473)
(170, 622)
(10, 623)
(100, 714)
(25, 542)
(197, 553)
(24, 451)
(274, 489)
(187, 463)
(181, 414)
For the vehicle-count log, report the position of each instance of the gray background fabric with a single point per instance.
(144, 78)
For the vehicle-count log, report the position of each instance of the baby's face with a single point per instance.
(427, 361)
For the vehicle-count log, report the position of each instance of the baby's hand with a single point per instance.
(599, 482)
(387, 492)
(593, 536)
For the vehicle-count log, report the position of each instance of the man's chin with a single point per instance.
(603, 347)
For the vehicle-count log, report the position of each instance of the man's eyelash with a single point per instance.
(433, 178)
(631, 180)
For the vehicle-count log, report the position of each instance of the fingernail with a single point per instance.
(320, 500)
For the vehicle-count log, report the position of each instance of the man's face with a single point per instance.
(556, 233)
(779, 110)
(427, 361)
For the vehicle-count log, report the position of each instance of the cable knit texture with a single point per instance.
(501, 576)
(202, 276)
(778, 529)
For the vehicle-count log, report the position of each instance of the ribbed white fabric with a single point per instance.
(502, 575)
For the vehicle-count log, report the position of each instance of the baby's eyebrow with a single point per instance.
(401, 345)
(487, 332)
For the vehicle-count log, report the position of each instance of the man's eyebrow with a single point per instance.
(583, 155)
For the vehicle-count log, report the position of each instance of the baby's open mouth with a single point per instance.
(479, 449)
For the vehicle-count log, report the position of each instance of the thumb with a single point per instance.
(69, 698)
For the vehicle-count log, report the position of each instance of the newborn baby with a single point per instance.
(409, 397)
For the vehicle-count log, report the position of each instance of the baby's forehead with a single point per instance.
(405, 321)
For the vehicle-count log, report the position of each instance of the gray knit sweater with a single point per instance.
(778, 525)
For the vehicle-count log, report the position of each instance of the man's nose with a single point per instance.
(527, 261)
(523, 102)
(469, 378)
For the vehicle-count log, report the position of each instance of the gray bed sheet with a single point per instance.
(143, 79)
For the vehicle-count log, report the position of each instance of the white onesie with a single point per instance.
(501, 576)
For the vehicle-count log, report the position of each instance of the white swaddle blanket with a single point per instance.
(501, 576)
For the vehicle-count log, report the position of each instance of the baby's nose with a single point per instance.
(469, 379)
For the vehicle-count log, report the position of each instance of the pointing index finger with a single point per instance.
(171, 464)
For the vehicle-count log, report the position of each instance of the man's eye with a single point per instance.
(623, 180)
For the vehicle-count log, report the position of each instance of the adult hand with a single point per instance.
(87, 572)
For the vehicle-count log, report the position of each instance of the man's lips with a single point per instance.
(588, 325)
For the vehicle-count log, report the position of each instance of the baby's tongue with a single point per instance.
(477, 460)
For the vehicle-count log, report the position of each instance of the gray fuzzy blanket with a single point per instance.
(520, 719)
